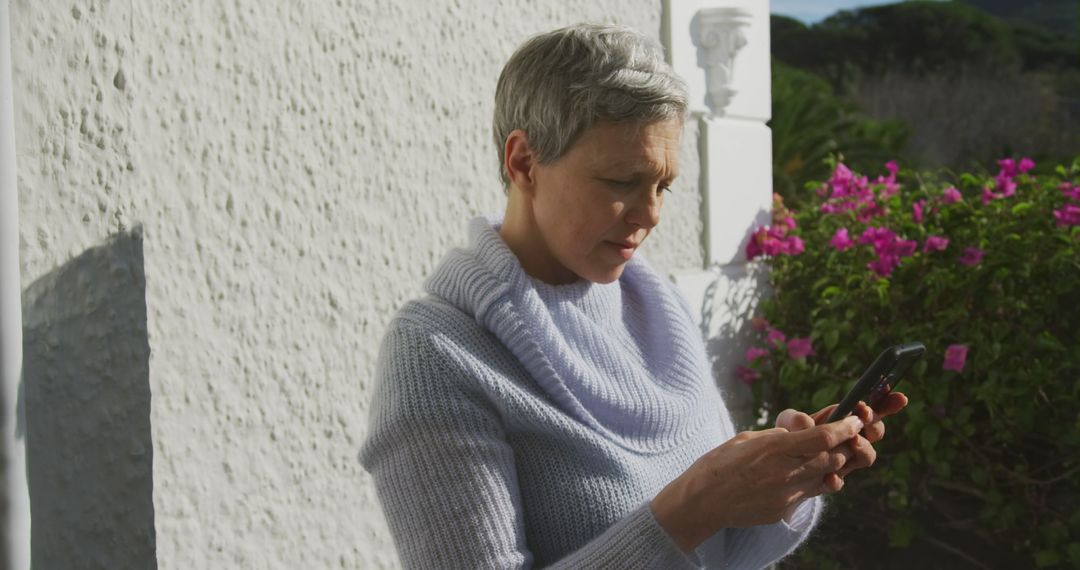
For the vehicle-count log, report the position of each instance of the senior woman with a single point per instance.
(549, 403)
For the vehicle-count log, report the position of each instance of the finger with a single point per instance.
(874, 432)
(832, 483)
(822, 485)
(745, 435)
(863, 455)
(826, 462)
(823, 437)
(891, 404)
(864, 412)
(867, 415)
(794, 420)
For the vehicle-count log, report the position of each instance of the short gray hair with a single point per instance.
(558, 84)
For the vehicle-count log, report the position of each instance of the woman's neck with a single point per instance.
(522, 235)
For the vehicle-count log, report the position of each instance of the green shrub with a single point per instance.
(984, 464)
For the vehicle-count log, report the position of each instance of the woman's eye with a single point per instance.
(627, 185)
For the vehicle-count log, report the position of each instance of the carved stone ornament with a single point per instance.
(718, 34)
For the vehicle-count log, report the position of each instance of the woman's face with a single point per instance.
(598, 202)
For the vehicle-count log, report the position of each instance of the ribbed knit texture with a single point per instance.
(519, 424)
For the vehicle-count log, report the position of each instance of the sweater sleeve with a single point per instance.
(760, 546)
(446, 477)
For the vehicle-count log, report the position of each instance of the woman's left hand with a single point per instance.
(860, 451)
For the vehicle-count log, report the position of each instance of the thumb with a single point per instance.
(794, 420)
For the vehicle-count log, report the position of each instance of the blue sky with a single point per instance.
(811, 11)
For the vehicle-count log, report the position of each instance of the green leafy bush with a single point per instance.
(984, 464)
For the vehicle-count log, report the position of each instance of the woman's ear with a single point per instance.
(520, 161)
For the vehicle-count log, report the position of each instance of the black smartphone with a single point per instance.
(880, 378)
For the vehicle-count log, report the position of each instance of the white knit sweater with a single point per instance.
(518, 424)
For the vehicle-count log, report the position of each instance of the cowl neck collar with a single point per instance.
(622, 358)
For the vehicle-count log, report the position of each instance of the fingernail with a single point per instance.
(856, 422)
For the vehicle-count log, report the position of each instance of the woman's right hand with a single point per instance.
(752, 479)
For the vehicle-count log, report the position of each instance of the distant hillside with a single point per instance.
(973, 79)
(927, 36)
(1058, 16)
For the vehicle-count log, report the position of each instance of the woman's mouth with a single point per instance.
(625, 249)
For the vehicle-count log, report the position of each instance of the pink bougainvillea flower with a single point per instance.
(917, 211)
(883, 266)
(951, 195)
(886, 263)
(844, 182)
(840, 240)
(755, 352)
(800, 347)
(955, 357)
(753, 248)
(773, 241)
(1007, 166)
(775, 337)
(764, 241)
(888, 184)
(793, 245)
(935, 243)
(972, 256)
(876, 236)
(869, 210)
(1070, 191)
(1006, 187)
(845, 192)
(904, 247)
(747, 375)
(864, 206)
(889, 249)
(841, 174)
(889, 187)
(759, 323)
(1068, 216)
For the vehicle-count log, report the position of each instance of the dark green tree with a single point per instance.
(810, 123)
(910, 37)
(1059, 17)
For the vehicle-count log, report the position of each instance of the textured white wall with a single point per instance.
(296, 169)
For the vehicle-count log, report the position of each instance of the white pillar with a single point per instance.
(17, 524)
(721, 48)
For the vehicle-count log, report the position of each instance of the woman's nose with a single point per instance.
(646, 210)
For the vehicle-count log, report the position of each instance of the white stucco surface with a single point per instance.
(296, 169)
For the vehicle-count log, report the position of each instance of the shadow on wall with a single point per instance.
(86, 383)
(736, 293)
